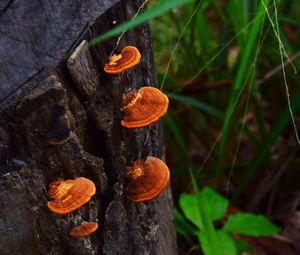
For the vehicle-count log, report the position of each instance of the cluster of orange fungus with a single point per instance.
(143, 107)
(70, 195)
(146, 179)
(84, 229)
(118, 63)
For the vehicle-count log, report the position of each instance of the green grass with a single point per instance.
(155, 11)
(248, 47)
(229, 133)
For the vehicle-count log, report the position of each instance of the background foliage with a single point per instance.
(231, 71)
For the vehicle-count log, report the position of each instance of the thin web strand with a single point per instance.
(282, 53)
(178, 42)
(123, 33)
(245, 112)
(218, 53)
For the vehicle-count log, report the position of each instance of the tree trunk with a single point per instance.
(60, 117)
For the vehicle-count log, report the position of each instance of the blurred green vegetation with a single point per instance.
(220, 63)
(219, 81)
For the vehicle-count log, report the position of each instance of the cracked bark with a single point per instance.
(64, 121)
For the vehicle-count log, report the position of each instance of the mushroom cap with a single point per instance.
(143, 107)
(70, 195)
(118, 63)
(146, 179)
(84, 229)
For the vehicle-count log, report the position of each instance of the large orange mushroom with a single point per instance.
(118, 63)
(84, 229)
(70, 195)
(143, 107)
(146, 179)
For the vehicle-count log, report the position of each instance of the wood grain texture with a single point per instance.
(36, 34)
(81, 69)
(40, 97)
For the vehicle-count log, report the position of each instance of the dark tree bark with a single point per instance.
(60, 117)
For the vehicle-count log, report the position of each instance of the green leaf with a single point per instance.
(249, 224)
(225, 243)
(213, 204)
(153, 12)
(189, 205)
(207, 225)
(182, 226)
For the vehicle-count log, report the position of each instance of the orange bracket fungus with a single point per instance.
(146, 179)
(69, 195)
(143, 107)
(84, 229)
(118, 63)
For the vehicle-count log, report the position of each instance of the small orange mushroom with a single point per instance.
(69, 195)
(118, 63)
(84, 229)
(143, 107)
(146, 179)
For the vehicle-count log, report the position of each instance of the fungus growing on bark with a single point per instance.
(118, 63)
(143, 107)
(84, 229)
(69, 195)
(146, 179)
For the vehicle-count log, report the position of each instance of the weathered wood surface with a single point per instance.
(36, 34)
(51, 126)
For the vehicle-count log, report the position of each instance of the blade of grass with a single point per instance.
(168, 80)
(177, 135)
(196, 103)
(185, 48)
(246, 59)
(204, 37)
(238, 16)
(153, 12)
(210, 110)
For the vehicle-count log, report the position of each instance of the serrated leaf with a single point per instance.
(249, 224)
(225, 243)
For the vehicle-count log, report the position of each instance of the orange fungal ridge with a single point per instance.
(143, 107)
(118, 63)
(70, 195)
(84, 229)
(146, 179)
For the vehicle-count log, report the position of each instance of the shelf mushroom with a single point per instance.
(146, 179)
(70, 195)
(143, 107)
(84, 229)
(118, 63)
